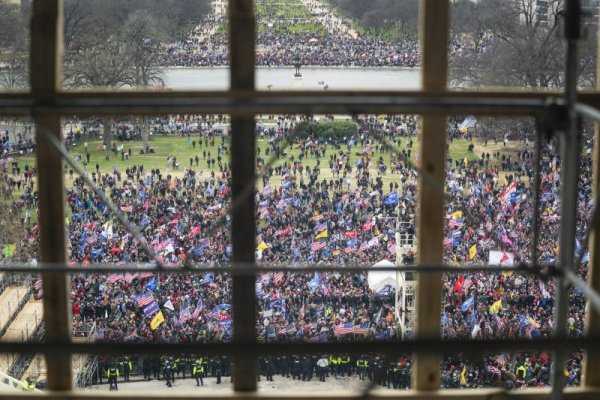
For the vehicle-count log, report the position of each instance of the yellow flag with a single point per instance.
(322, 235)
(157, 320)
(496, 307)
(472, 252)
(9, 250)
(457, 214)
(463, 374)
(262, 246)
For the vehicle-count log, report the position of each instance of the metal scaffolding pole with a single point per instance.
(570, 148)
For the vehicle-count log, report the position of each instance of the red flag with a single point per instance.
(367, 226)
(195, 231)
(458, 285)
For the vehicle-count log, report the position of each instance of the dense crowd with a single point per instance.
(334, 45)
(279, 48)
(350, 217)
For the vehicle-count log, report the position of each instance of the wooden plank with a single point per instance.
(242, 38)
(591, 366)
(591, 361)
(46, 59)
(434, 27)
(470, 394)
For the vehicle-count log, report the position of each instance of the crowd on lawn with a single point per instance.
(326, 202)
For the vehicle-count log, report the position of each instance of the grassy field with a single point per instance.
(183, 151)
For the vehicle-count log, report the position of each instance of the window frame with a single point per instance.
(46, 103)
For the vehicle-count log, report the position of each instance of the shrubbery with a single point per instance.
(326, 129)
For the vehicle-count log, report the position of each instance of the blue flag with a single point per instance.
(208, 278)
(151, 309)
(315, 282)
(96, 253)
(391, 199)
(467, 304)
(151, 284)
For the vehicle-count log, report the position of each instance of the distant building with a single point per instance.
(544, 10)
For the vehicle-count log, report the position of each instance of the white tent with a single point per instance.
(380, 279)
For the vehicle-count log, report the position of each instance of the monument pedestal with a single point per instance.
(298, 83)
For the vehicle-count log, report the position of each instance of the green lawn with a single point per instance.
(179, 147)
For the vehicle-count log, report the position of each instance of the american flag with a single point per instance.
(130, 277)
(278, 278)
(363, 246)
(321, 227)
(100, 333)
(113, 278)
(349, 250)
(314, 339)
(316, 246)
(199, 305)
(499, 323)
(130, 336)
(145, 300)
(145, 275)
(392, 247)
(302, 310)
(284, 232)
(362, 328)
(343, 329)
(291, 328)
(38, 284)
(184, 315)
(493, 370)
(448, 242)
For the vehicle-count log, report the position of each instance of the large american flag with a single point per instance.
(113, 278)
(343, 329)
(316, 246)
(361, 328)
(145, 300)
(278, 278)
(130, 277)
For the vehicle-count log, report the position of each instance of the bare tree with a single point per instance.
(14, 76)
(522, 46)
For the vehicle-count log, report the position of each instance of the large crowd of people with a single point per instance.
(324, 202)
